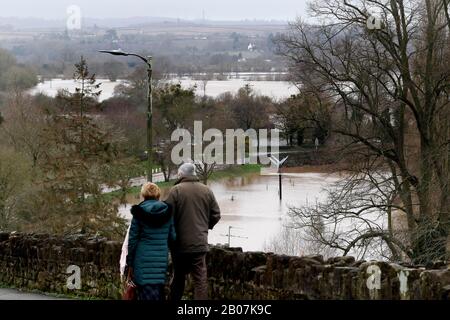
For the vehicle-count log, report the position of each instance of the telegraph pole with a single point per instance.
(229, 236)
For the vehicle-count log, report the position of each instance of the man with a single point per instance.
(195, 211)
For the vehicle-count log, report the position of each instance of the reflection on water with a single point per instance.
(251, 205)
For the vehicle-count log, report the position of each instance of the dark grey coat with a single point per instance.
(195, 211)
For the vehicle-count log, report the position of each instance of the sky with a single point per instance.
(182, 9)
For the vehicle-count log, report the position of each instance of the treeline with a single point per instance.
(300, 119)
(56, 159)
(57, 155)
(54, 55)
(15, 76)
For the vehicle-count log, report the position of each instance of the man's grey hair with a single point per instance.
(186, 170)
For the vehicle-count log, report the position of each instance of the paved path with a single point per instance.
(13, 294)
(139, 181)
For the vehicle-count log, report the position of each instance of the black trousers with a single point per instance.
(153, 292)
(195, 265)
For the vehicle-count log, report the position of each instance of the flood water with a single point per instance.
(250, 205)
(214, 88)
(277, 90)
(51, 87)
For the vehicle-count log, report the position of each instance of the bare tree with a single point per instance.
(307, 110)
(287, 241)
(204, 79)
(23, 124)
(205, 170)
(162, 157)
(358, 215)
(248, 109)
(390, 86)
(14, 175)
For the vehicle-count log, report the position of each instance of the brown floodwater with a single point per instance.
(250, 205)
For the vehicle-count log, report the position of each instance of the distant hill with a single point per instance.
(19, 24)
(29, 23)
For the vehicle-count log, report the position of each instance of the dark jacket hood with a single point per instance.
(152, 212)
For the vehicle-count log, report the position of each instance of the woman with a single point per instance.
(150, 232)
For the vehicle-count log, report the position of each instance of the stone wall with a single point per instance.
(41, 262)
(50, 264)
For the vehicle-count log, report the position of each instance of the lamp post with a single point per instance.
(148, 61)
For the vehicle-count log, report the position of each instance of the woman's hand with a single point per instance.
(129, 272)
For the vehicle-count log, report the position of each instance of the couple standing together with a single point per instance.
(181, 224)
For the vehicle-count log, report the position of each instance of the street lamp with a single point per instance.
(148, 62)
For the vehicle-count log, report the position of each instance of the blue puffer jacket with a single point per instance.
(151, 231)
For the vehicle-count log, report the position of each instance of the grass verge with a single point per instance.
(235, 171)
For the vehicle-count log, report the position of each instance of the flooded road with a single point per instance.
(250, 205)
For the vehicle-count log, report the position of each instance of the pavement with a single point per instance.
(138, 181)
(13, 294)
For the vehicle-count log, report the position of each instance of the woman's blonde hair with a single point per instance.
(150, 191)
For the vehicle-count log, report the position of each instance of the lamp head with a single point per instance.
(118, 52)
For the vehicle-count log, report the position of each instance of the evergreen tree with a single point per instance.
(78, 162)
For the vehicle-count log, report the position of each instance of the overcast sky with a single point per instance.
(183, 9)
